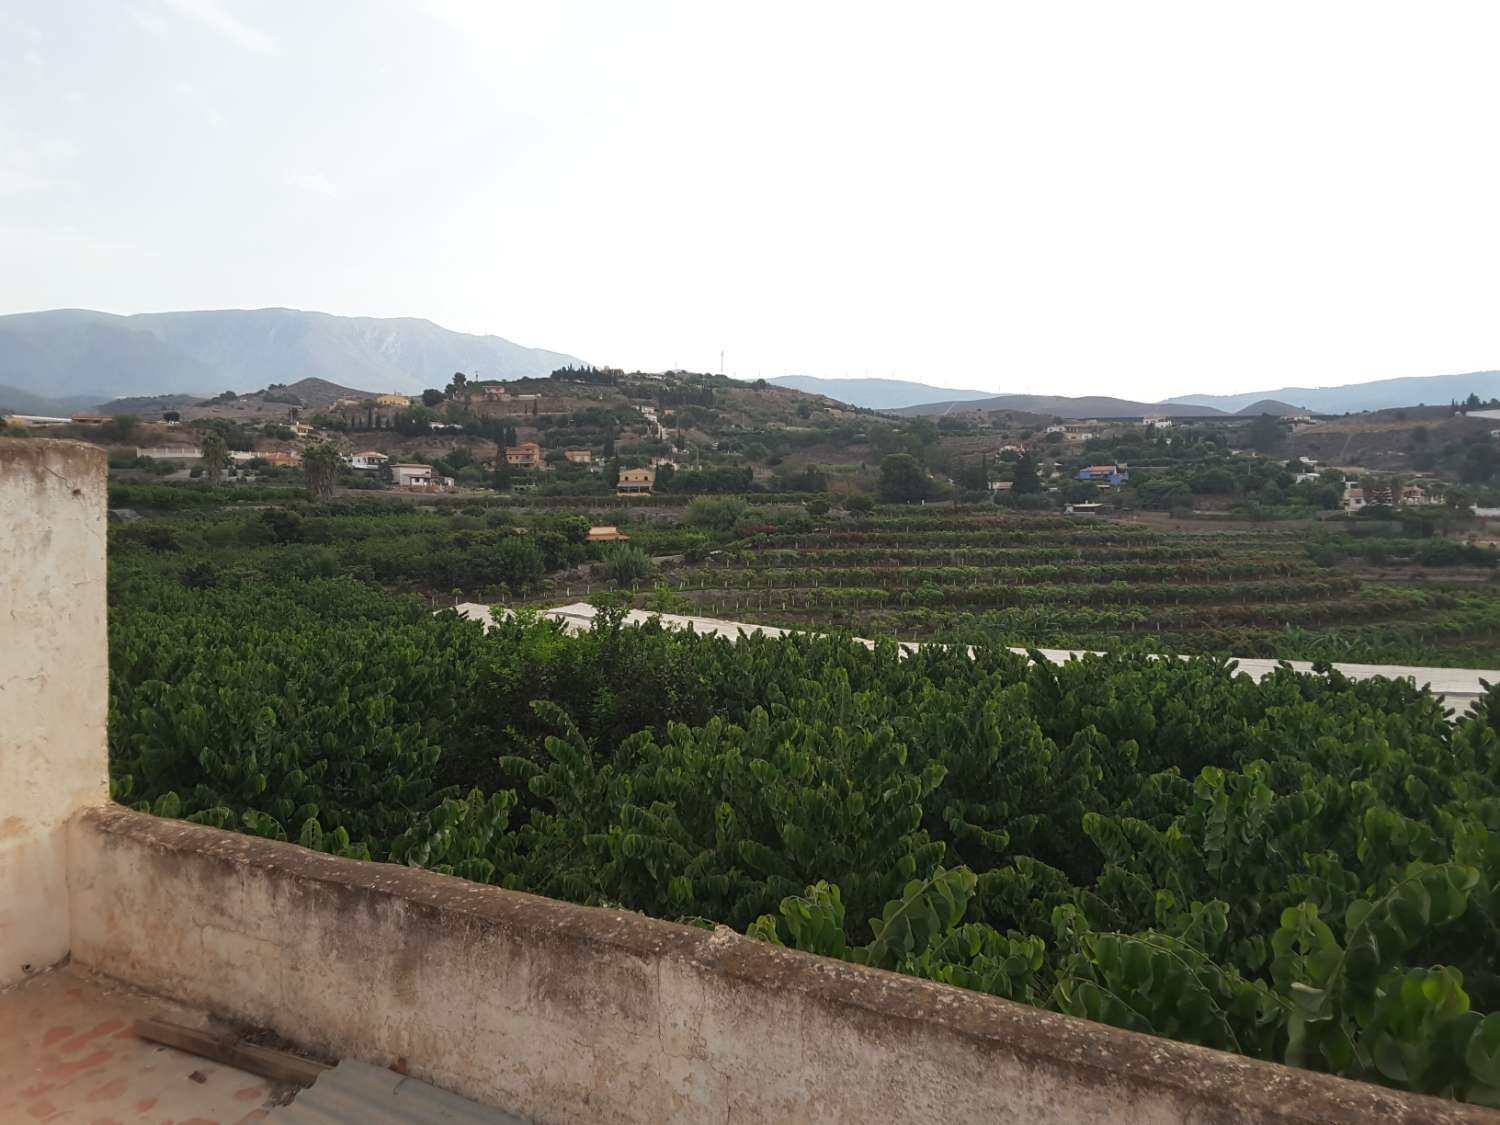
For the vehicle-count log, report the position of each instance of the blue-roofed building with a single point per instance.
(1110, 475)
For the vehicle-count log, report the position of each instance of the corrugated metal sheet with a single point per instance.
(356, 1093)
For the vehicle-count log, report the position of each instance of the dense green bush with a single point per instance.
(1298, 869)
(626, 563)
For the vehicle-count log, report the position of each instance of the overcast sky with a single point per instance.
(1137, 198)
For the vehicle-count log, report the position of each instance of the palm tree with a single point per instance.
(320, 469)
(215, 455)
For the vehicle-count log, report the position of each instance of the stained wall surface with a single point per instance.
(53, 684)
(565, 1014)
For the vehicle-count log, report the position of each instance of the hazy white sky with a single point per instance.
(1135, 198)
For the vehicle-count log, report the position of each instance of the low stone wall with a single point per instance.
(567, 1014)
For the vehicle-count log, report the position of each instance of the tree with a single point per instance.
(121, 428)
(1264, 433)
(1479, 463)
(1216, 480)
(717, 513)
(215, 455)
(1025, 478)
(972, 475)
(320, 469)
(1162, 494)
(627, 563)
(1080, 492)
(902, 479)
(458, 386)
(859, 505)
(432, 397)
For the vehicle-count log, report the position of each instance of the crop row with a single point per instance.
(1035, 622)
(1051, 593)
(1062, 535)
(980, 556)
(906, 577)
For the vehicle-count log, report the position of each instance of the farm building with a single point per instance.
(419, 478)
(527, 455)
(636, 481)
(1110, 475)
(366, 459)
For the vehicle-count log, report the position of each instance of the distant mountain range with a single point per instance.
(67, 360)
(902, 397)
(76, 355)
(1382, 394)
(1092, 406)
(875, 394)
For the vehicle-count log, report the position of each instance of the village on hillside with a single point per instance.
(588, 432)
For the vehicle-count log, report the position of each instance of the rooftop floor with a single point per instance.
(68, 1054)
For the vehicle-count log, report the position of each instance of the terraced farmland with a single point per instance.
(1057, 581)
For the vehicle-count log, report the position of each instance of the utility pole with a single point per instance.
(721, 361)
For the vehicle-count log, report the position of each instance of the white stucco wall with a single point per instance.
(53, 684)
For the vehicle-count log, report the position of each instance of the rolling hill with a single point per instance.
(16, 401)
(1271, 406)
(78, 353)
(1382, 394)
(875, 394)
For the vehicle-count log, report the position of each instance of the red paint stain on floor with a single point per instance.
(98, 1058)
(41, 1110)
(111, 1089)
(250, 1093)
(78, 1042)
(57, 1035)
(38, 1090)
(146, 1105)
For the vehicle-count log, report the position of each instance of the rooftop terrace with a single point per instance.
(68, 1052)
(552, 1012)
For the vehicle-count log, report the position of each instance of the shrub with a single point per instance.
(627, 563)
(718, 513)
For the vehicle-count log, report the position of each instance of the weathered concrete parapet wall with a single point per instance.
(566, 1014)
(54, 688)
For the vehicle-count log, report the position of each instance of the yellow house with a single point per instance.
(637, 481)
